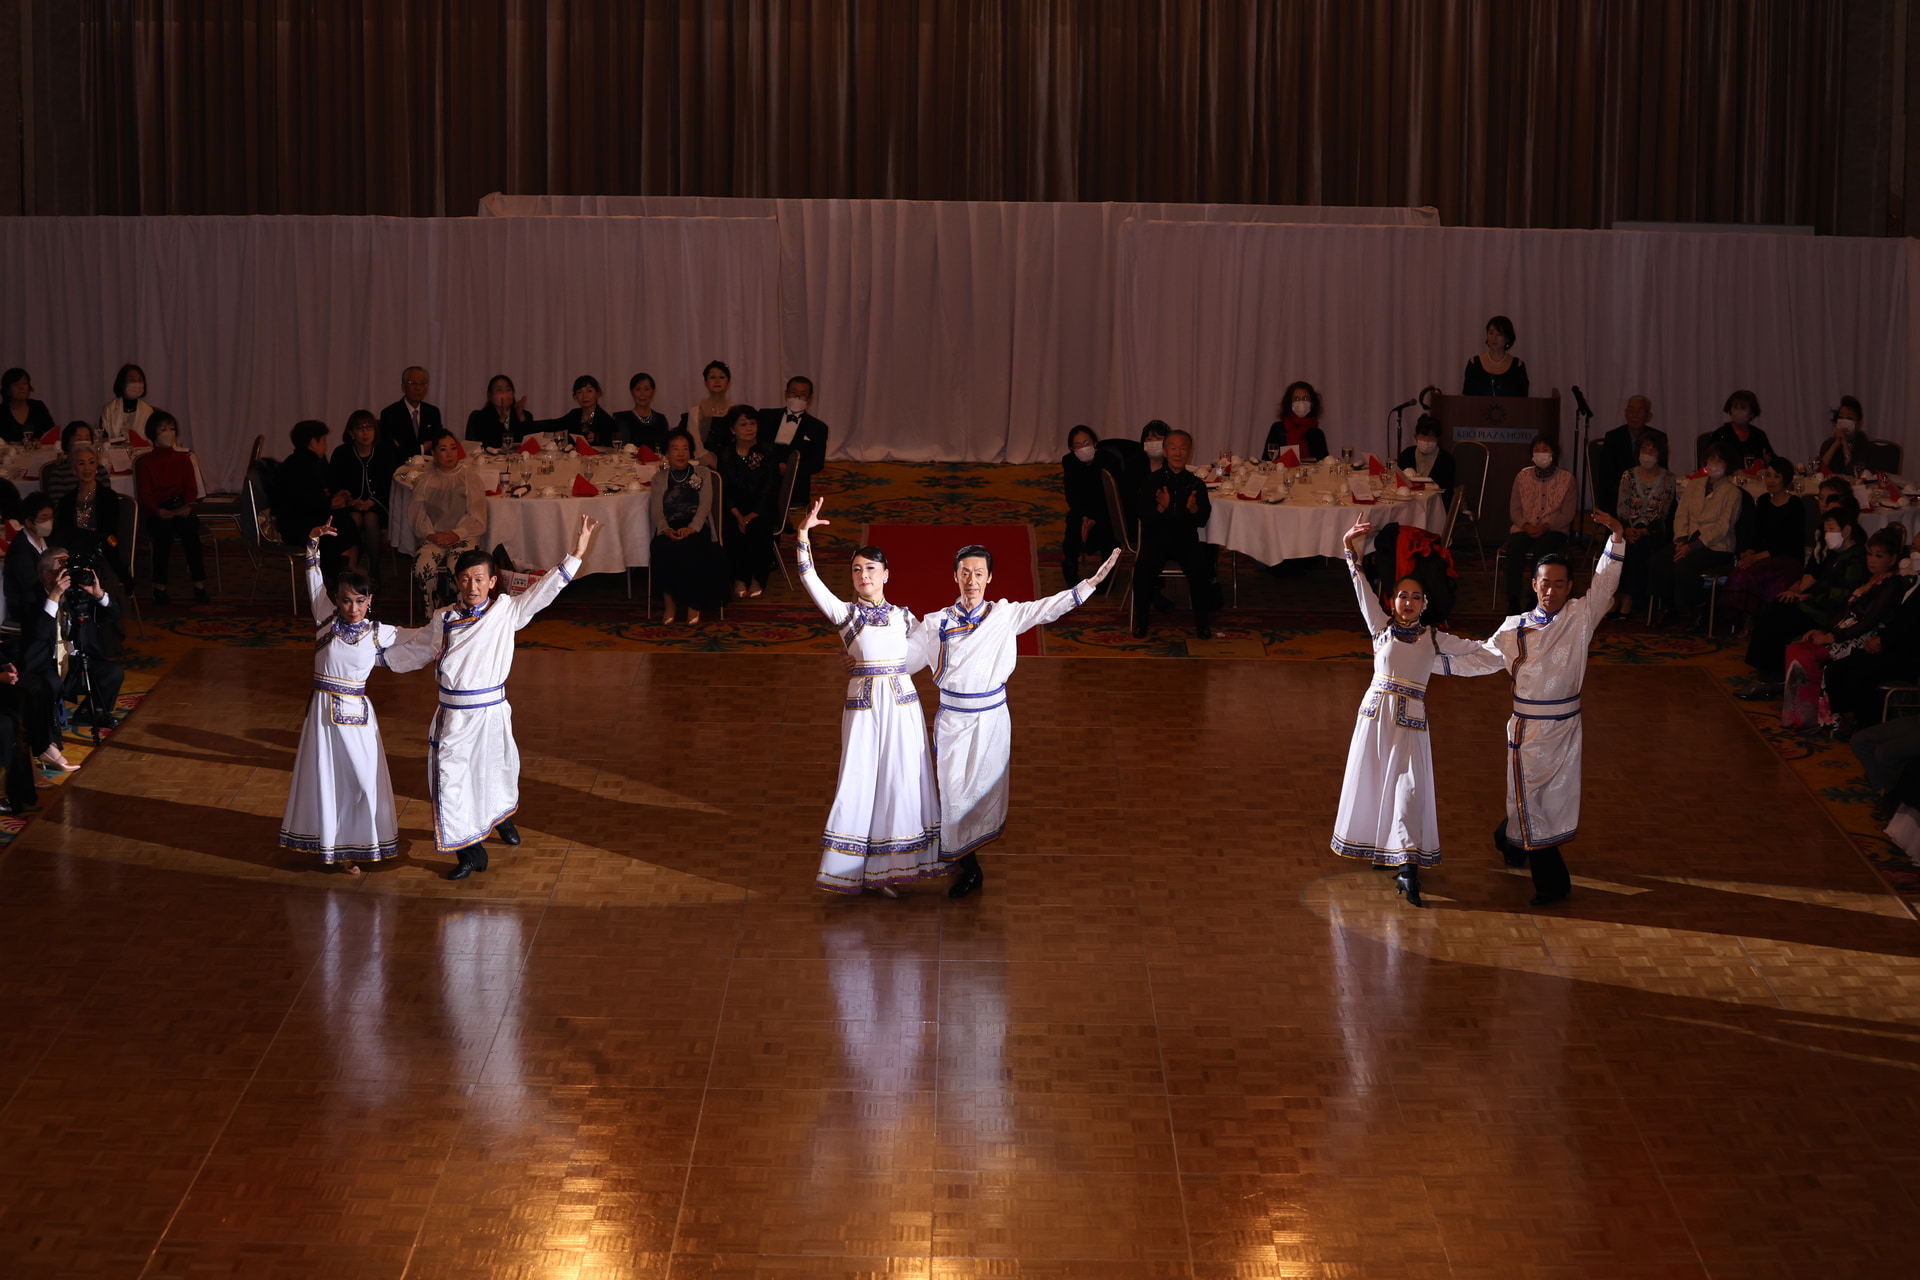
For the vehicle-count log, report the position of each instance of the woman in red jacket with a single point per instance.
(168, 490)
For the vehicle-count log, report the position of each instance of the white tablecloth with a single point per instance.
(23, 469)
(1304, 526)
(538, 532)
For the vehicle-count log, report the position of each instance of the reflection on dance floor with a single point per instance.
(1173, 1038)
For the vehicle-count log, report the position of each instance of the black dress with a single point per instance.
(1479, 382)
(752, 487)
(1745, 452)
(360, 478)
(1086, 500)
(1303, 432)
(1443, 471)
(650, 434)
(39, 422)
(485, 428)
(691, 569)
(598, 430)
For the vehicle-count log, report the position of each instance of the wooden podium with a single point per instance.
(1506, 425)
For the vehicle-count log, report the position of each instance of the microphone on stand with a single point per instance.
(1581, 400)
(1404, 405)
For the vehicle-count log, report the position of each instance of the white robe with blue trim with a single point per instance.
(1547, 656)
(972, 655)
(473, 764)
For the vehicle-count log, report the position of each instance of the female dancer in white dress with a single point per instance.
(340, 804)
(1386, 800)
(884, 827)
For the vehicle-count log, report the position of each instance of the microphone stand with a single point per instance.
(1582, 473)
(1398, 428)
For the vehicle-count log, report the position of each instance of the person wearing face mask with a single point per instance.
(1174, 508)
(1842, 454)
(1541, 507)
(1496, 371)
(1813, 603)
(1619, 453)
(1387, 815)
(500, 422)
(24, 552)
(1299, 425)
(1740, 438)
(795, 437)
(1772, 544)
(340, 800)
(127, 413)
(1643, 503)
(1089, 529)
(1804, 705)
(641, 426)
(166, 486)
(1425, 457)
(1704, 523)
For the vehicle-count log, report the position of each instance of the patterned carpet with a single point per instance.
(1305, 616)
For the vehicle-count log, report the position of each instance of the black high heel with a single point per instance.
(1407, 882)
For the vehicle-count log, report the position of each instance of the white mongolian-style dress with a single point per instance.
(1387, 814)
(340, 802)
(884, 827)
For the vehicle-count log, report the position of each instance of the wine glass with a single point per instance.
(1346, 454)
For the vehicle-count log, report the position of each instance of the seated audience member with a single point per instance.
(9, 500)
(168, 490)
(1813, 603)
(126, 414)
(690, 569)
(750, 486)
(24, 552)
(1886, 751)
(1299, 425)
(1643, 503)
(449, 513)
(1845, 452)
(1740, 441)
(1496, 371)
(89, 521)
(1174, 508)
(362, 468)
(1773, 545)
(586, 419)
(1802, 700)
(303, 498)
(497, 424)
(1887, 655)
(641, 426)
(24, 418)
(53, 636)
(1704, 520)
(1541, 507)
(1425, 457)
(796, 438)
(702, 419)
(1089, 528)
(20, 776)
(407, 424)
(1620, 453)
(56, 477)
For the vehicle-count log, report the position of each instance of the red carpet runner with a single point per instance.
(920, 557)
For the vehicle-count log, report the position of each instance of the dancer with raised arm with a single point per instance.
(970, 646)
(340, 802)
(1386, 799)
(1546, 650)
(884, 827)
(473, 763)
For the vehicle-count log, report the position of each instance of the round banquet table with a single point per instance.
(1304, 526)
(23, 468)
(539, 532)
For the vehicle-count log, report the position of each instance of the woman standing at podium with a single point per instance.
(1496, 371)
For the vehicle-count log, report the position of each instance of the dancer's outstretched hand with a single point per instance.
(813, 518)
(1357, 535)
(322, 531)
(1100, 574)
(1609, 523)
(588, 526)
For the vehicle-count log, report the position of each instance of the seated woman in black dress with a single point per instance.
(1738, 436)
(502, 420)
(690, 569)
(1496, 371)
(641, 425)
(586, 419)
(89, 520)
(1772, 546)
(1299, 425)
(1814, 602)
(1844, 453)
(23, 417)
(1089, 526)
(750, 484)
(362, 468)
(1425, 457)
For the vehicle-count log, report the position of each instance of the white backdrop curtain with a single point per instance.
(951, 331)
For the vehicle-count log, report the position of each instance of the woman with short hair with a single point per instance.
(688, 568)
(1844, 452)
(1774, 554)
(23, 420)
(168, 488)
(1804, 704)
(1496, 371)
(586, 419)
(449, 514)
(362, 468)
(1739, 437)
(56, 475)
(750, 482)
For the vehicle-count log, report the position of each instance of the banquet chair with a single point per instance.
(788, 483)
(1129, 541)
(1471, 460)
(1884, 456)
(253, 536)
(224, 509)
(1898, 694)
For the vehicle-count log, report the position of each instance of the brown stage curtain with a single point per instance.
(1559, 113)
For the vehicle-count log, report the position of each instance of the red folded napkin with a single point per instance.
(1752, 468)
(1375, 467)
(52, 437)
(648, 455)
(1893, 491)
(1695, 475)
(1289, 457)
(583, 488)
(581, 447)
(529, 445)
(137, 441)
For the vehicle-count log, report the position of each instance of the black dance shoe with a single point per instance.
(1548, 899)
(1201, 630)
(465, 868)
(1407, 882)
(478, 853)
(1508, 853)
(969, 879)
(507, 833)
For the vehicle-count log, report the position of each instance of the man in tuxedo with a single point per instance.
(53, 636)
(795, 438)
(410, 421)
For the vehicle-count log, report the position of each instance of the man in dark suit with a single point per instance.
(23, 555)
(54, 635)
(1619, 454)
(795, 437)
(410, 421)
(1174, 508)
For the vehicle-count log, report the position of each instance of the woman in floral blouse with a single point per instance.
(1646, 513)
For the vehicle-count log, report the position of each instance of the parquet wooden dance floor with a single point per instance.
(1174, 1036)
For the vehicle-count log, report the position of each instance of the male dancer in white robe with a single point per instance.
(970, 646)
(473, 764)
(1546, 653)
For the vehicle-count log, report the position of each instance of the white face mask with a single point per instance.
(1649, 460)
(1834, 539)
(135, 390)
(1715, 470)
(1426, 448)
(1155, 448)
(1543, 460)
(1741, 414)
(1301, 408)
(796, 405)
(1084, 452)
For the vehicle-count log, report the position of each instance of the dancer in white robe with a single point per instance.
(1387, 813)
(1546, 651)
(884, 827)
(340, 802)
(970, 645)
(473, 764)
